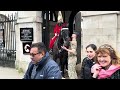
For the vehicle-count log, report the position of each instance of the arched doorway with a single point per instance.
(75, 25)
(73, 18)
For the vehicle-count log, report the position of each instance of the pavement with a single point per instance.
(10, 73)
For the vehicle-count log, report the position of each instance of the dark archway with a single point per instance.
(69, 17)
(71, 20)
(75, 25)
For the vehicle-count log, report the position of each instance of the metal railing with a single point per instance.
(7, 40)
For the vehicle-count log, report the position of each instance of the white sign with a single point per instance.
(27, 48)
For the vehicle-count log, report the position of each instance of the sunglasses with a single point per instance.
(32, 54)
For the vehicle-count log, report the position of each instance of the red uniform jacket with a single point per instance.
(57, 30)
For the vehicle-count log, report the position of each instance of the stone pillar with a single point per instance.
(27, 19)
(118, 34)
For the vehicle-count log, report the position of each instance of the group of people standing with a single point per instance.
(42, 66)
(101, 63)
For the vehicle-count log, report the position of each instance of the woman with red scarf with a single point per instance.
(108, 63)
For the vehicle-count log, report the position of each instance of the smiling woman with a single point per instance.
(107, 64)
(88, 62)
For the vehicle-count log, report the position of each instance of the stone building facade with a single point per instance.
(98, 27)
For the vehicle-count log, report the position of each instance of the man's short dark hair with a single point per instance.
(40, 45)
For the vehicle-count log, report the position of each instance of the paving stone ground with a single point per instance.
(10, 73)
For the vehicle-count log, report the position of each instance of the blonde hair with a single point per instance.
(106, 48)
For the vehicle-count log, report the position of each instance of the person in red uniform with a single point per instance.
(57, 29)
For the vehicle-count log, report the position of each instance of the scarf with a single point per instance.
(107, 73)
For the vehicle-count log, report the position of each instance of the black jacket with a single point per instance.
(85, 72)
(115, 75)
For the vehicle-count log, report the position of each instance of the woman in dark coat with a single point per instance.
(88, 62)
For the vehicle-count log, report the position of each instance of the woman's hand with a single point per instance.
(64, 47)
(95, 70)
(56, 34)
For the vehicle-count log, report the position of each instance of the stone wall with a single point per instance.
(100, 28)
(27, 19)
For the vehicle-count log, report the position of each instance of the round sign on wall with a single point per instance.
(26, 47)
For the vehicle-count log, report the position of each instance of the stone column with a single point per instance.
(27, 19)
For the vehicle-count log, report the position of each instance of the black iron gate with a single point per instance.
(7, 40)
